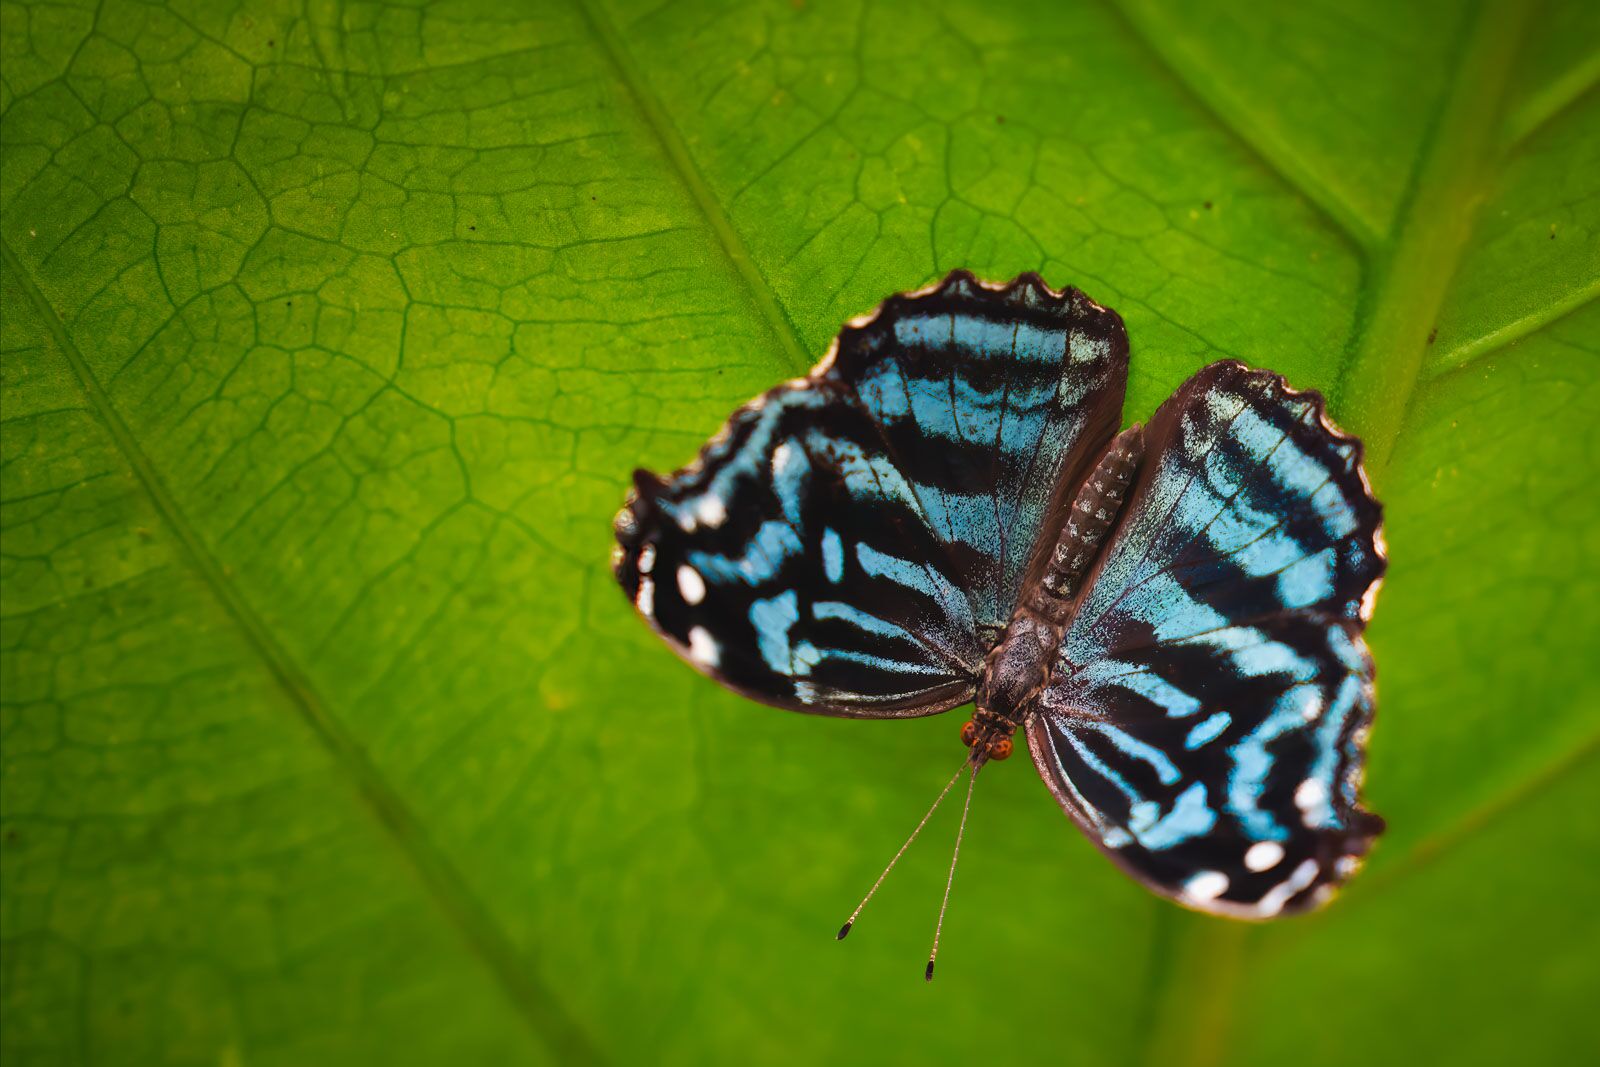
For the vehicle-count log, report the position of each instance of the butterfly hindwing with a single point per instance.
(1213, 692)
(1247, 804)
(850, 541)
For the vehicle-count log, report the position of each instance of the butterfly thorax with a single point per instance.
(1019, 666)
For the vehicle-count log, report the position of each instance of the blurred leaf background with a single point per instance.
(332, 330)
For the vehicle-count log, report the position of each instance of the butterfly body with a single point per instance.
(943, 512)
(1019, 667)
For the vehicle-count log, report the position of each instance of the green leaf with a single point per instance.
(331, 332)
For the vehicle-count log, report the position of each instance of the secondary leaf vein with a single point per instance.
(536, 1004)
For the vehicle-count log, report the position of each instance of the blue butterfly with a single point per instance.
(943, 511)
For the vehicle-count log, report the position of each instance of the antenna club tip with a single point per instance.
(843, 930)
(927, 975)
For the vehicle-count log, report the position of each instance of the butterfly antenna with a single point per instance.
(848, 923)
(951, 878)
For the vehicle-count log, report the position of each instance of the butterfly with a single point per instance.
(943, 511)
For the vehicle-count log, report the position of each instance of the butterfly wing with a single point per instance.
(993, 402)
(1206, 719)
(793, 564)
(850, 541)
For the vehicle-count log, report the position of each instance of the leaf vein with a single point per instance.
(1234, 116)
(660, 123)
(442, 883)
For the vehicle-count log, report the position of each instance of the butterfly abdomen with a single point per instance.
(1090, 521)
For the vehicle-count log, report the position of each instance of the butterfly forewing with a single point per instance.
(792, 563)
(992, 403)
(1212, 693)
(850, 542)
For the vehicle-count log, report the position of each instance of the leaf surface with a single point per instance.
(331, 333)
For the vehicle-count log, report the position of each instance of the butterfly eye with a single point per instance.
(969, 734)
(1000, 749)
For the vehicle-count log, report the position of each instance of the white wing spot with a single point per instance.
(782, 456)
(1369, 599)
(1206, 886)
(1279, 895)
(691, 585)
(647, 559)
(703, 648)
(646, 600)
(711, 511)
(1312, 793)
(1263, 856)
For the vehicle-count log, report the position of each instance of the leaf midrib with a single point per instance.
(511, 968)
(1407, 285)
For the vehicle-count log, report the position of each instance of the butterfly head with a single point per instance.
(989, 737)
(1014, 673)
